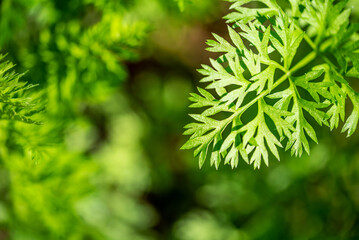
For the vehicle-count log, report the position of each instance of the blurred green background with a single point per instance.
(115, 76)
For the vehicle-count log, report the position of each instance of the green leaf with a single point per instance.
(263, 101)
(15, 105)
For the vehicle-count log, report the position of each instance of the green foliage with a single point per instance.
(14, 104)
(105, 164)
(182, 4)
(203, 226)
(257, 99)
(82, 172)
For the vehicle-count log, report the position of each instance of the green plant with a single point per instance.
(14, 104)
(52, 176)
(266, 91)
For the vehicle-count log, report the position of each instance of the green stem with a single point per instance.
(305, 61)
(309, 41)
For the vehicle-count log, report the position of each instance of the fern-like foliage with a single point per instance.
(14, 105)
(258, 99)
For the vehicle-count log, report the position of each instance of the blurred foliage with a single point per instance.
(82, 173)
(14, 104)
(105, 162)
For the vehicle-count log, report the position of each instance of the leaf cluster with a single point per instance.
(14, 104)
(267, 90)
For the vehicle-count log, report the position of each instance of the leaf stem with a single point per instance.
(305, 61)
(309, 41)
